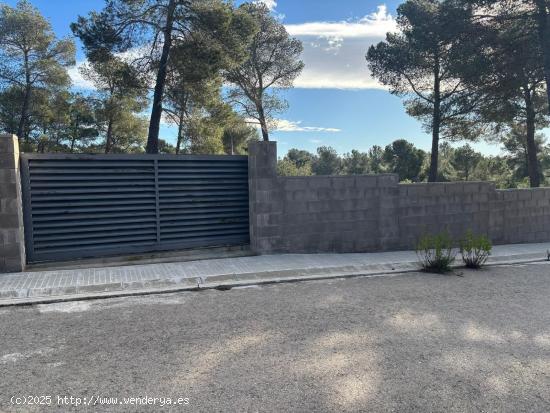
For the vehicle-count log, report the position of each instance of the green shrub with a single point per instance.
(475, 250)
(435, 253)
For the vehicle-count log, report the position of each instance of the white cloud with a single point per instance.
(77, 79)
(334, 52)
(376, 24)
(283, 125)
(271, 4)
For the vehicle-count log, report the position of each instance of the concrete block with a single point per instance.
(267, 207)
(467, 197)
(9, 144)
(337, 216)
(9, 221)
(262, 220)
(387, 202)
(388, 180)
(266, 184)
(436, 189)
(348, 193)
(326, 194)
(10, 206)
(293, 184)
(268, 231)
(390, 192)
(8, 190)
(262, 159)
(263, 245)
(437, 209)
(295, 207)
(525, 195)
(415, 190)
(343, 182)
(540, 194)
(12, 250)
(293, 219)
(318, 182)
(9, 176)
(365, 181)
(290, 196)
(9, 160)
(472, 188)
(12, 236)
(12, 264)
(469, 208)
(267, 196)
(318, 206)
(454, 188)
(411, 211)
(510, 195)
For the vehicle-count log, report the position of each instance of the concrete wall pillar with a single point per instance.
(12, 245)
(266, 203)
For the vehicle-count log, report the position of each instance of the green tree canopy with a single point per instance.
(356, 163)
(418, 62)
(30, 57)
(153, 29)
(506, 71)
(402, 158)
(327, 162)
(464, 160)
(300, 157)
(121, 94)
(272, 63)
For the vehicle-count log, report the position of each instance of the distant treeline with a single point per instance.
(509, 170)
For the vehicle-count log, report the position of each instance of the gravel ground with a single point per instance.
(476, 342)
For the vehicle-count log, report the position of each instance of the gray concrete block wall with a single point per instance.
(12, 246)
(331, 213)
(523, 215)
(453, 207)
(376, 213)
(318, 213)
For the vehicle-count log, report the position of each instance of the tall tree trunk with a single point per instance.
(532, 159)
(436, 125)
(544, 39)
(156, 112)
(26, 99)
(263, 122)
(109, 137)
(74, 135)
(180, 134)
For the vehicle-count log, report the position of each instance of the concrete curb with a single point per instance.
(227, 282)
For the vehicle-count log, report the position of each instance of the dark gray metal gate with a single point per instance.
(79, 206)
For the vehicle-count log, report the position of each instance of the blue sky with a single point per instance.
(335, 101)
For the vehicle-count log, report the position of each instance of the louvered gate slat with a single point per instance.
(79, 206)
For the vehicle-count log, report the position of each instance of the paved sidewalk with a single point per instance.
(45, 286)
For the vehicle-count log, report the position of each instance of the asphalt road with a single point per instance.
(479, 342)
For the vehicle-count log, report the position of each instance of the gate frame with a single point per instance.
(122, 250)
